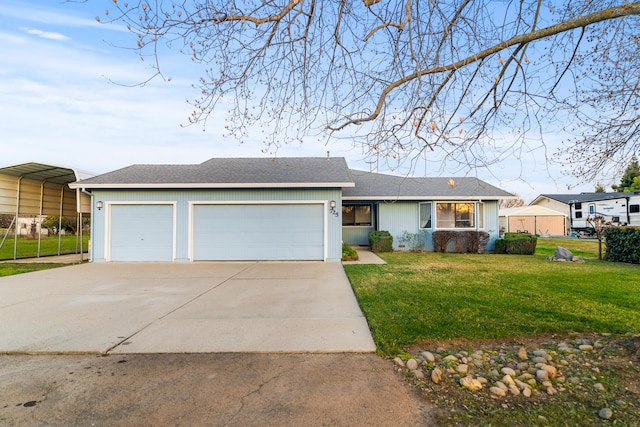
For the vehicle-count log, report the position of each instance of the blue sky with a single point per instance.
(65, 100)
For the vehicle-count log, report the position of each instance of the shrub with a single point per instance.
(517, 244)
(467, 241)
(413, 241)
(348, 253)
(623, 244)
(381, 241)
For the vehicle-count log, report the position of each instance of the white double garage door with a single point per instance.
(276, 231)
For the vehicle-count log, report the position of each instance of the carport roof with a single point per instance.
(377, 186)
(279, 172)
(45, 172)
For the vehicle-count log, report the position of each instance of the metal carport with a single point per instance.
(40, 189)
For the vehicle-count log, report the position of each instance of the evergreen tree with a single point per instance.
(627, 181)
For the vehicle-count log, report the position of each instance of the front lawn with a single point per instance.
(434, 296)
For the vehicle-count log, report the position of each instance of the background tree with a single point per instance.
(52, 223)
(5, 220)
(599, 188)
(628, 182)
(474, 81)
(511, 203)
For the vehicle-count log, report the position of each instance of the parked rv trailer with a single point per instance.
(619, 211)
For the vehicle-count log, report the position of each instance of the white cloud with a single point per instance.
(45, 34)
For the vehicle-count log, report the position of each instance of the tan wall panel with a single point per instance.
(32, 197)
(521, 223)
(8, 187)
(552, 225)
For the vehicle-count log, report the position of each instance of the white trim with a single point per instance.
(107, 224)
(193, 203)
(475, 215)
(423, 198)
(218, 185)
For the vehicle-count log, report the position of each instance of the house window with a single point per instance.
(356, 215)
(634, 208)
(425, 215)
(592, 209)
(578, 214)
(455, 215)
(578, 206)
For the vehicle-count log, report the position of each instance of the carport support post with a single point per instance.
(40, 216)
(15, 230)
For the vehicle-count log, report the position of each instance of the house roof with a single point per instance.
(581, 197)
(376, 186)
(282, 172)
(534, 210)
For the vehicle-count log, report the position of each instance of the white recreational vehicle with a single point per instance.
(614, 208)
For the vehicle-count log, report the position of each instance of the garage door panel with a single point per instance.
(141, 233)
(259, 232)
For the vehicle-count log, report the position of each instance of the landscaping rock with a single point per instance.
(418, 374)
(428, 356)
(508, 371)
(562, 254)
(436, 375)
(605, 413)
(412, 364)
(497, 391)
(470, 383)
(522, 354)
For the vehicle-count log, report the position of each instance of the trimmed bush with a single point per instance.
(623, 244)
(517, 244)
(467, 241)
(381, 241)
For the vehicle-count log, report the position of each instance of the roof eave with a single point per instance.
(203, 185)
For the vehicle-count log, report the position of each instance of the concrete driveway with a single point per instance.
(182, 308)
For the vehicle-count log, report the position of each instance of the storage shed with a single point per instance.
(533, 219)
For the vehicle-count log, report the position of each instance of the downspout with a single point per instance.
(91, 204)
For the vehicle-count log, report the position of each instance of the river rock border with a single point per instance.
(512, 370)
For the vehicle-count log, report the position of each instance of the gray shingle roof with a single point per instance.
(375, 186)
(230, 172)
(583, 197)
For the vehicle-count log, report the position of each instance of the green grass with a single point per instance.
(434, 296)
(8, 269)
(28, 248)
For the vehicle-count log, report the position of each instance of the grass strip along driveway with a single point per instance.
(471, 302)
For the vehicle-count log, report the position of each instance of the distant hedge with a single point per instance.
(517, 244)
(623, 244)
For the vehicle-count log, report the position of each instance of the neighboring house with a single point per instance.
(271, 209)
(619, 208)
(534, 219)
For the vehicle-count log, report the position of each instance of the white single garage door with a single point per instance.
(141, 233)
(258, 232)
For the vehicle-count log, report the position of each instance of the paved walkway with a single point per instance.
(182, 307)
(365, 256)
